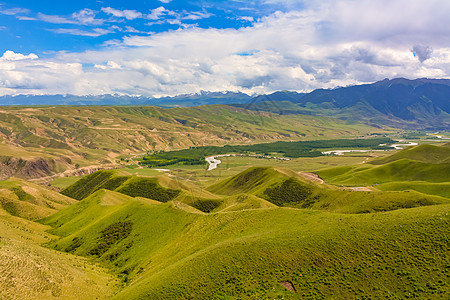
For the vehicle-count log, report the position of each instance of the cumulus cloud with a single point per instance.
(325, 44)
(11, 56)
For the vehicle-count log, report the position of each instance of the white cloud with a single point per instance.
(11, 56)
(248, 19)
(165, 1)
(87, 17)
(14, 11)
(109, 65)
(156, 13)
(74, 31)
(128, 14)
(24, 18)
(55, 19)
(196, 15)
(326, 44)
(83, 17)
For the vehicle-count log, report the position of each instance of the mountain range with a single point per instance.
(401, 103)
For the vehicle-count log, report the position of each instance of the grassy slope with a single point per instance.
(30, 201)
(30, 271)
(400, 170)
(173, 254)
(149, 187)
(424, 153)
(288, 189)
(424, 168)
(441, 189)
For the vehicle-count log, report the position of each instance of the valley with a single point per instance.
(219, 202)
(225, 150)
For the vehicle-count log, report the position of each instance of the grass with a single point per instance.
(423, 168)
(64, 182)
(246, 236)
(30, 271)
(440, 189)
(83, 136)
(173, 254)
(88, 184)
(424, 153)
(128, 185)
(30, 201)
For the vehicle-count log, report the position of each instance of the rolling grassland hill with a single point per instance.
(27, 269)
(423, 168)
(264, 233)
(40, 142)
(30, 201)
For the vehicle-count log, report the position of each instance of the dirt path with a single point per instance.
(311, 177)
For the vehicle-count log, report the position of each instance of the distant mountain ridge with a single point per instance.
(421, 103)
(399, 97)
(185, 100)
(402, 103)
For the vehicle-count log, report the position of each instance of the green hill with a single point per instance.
(31, 271)
(423, 168)
(399, 170)
(265, 233)
(424, 153)
(30, 201)
(163, 252)
(133, 186)
(286, 188)
(441, 189)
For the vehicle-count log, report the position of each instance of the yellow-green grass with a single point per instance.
(158, 188)
(167, 253)
(30, 201)
(424, 153)
(257, 187)
(64, 182)
(399, 170)
(233, 165)
(440, 189)
(285, 188)
(30, 271)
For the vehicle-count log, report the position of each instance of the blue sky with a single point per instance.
(169, 47)
(44, 27)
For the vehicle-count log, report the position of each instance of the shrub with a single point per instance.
(290, 191)
(111, 235)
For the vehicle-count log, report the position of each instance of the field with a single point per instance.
(196, 155)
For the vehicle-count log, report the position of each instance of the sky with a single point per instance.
(169, 47)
